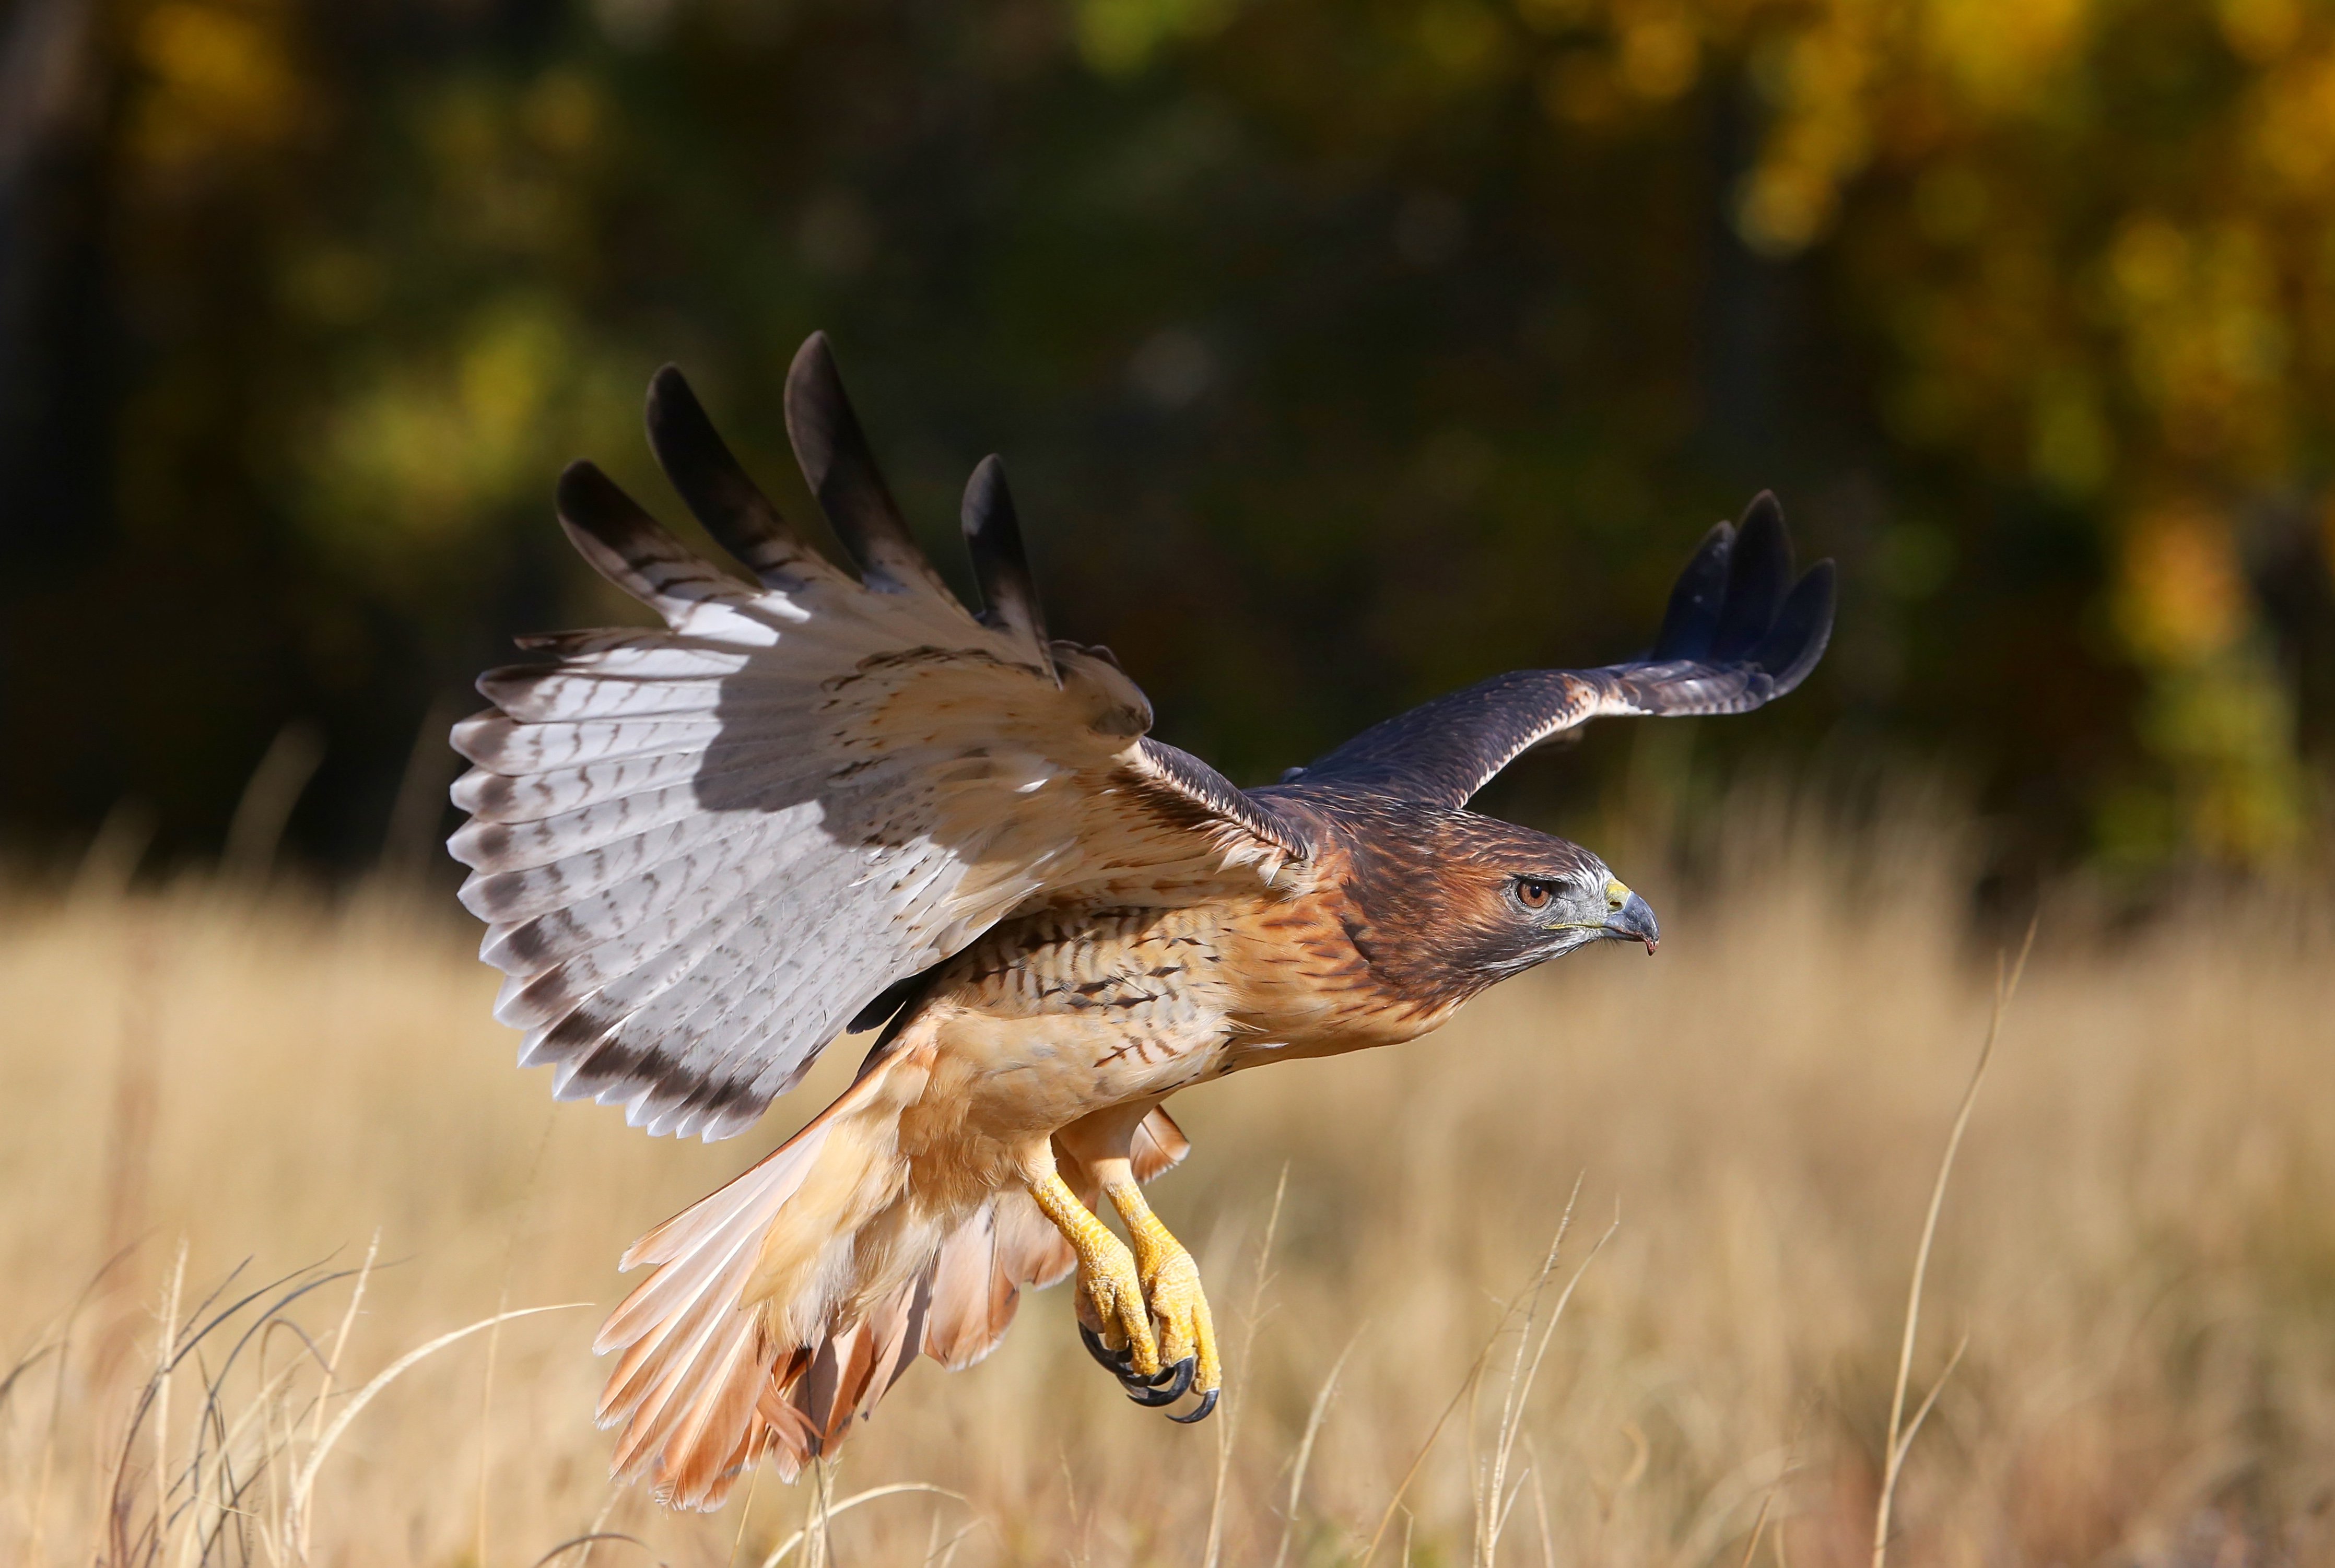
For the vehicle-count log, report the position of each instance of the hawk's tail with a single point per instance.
(788, 1302)
(731, 1348)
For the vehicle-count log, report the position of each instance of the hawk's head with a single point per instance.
(1453, 900)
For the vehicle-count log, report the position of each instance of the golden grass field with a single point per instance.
(2137, 1252)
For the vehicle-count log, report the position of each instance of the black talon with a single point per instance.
(1207, 1403)
(1118, 1364)
(1178, 1379)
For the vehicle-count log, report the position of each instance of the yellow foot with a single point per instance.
(1171, 1287)
(1109, 1284)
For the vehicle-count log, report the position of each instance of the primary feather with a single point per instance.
(699, 851)
(1738, 633)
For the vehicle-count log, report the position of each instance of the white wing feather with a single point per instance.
(700, 850)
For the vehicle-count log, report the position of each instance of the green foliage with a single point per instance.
(1342, 350)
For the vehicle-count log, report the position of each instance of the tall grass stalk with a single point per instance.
(1314, 1416)
(1493, 1497)
(1228, 1429)
(1901, 1433)
(811, 1540)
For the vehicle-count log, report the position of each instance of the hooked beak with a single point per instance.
(1634, 921)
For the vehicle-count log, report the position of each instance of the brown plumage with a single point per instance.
(815, 801)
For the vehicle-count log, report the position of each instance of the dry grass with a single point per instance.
(2139, 1246)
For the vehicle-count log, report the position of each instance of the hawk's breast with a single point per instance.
(1076, 1009)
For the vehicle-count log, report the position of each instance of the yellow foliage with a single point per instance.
(2191, 310)
(2110, 309)
(436, 441)
(1119, 36)
(2070, 256)
(2226, 724)
(2261, 30)
(1458, 37)
(2182, 597)
(1999, 57)
(2217, 713)
(563, 112)
(2291, 133)
(219, 77)
(1818, 80)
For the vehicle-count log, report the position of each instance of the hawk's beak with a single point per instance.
(1634, 921)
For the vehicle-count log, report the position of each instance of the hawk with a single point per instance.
(822, 801)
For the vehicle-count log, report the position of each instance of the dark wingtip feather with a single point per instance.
(607, 526)
(716, 487)
(582, 490)
(826, 435)
(840, 467)
(1695, 598)
(989, 503)
(993, 529)
(1803, 628)
(814, 350)
(1759, 572)
(1000, 565)
(629, 547)
(668, 385)
(813, 387)
(675, 419)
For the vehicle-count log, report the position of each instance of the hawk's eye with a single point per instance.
(1534, 893)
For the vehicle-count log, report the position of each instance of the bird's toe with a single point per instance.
(1188, 1333)
(1114, 1291)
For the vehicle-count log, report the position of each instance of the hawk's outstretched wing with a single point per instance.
(701, 850)
(1739, 633)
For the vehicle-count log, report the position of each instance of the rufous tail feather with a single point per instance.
(757, 1333)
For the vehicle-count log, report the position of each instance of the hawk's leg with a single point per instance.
(1109, 1283)
(1171, 1286)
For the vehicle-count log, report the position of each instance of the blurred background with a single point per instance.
(1342, 350)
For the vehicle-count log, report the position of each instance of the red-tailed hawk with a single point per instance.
(820, 802)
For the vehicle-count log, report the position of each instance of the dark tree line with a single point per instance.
(1342, 352)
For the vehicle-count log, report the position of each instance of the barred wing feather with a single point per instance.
(701, 850)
